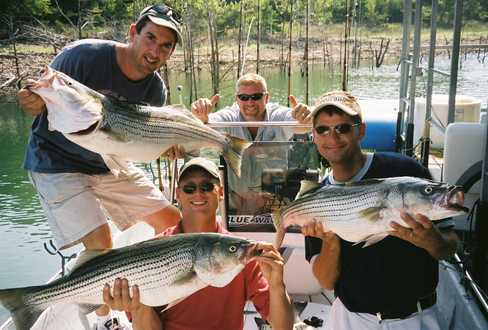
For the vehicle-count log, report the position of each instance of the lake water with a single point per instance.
(23, 228)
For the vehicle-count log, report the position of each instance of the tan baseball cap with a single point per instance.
(203, 163)
(342, 100)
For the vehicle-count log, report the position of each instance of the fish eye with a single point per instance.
(232, 248)
(428, 190)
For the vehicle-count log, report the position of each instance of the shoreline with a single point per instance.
(31, 64)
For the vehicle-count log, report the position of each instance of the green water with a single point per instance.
(23, 229)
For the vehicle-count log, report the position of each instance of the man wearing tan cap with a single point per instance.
(391, 284)
(199, 193)
(75, 187)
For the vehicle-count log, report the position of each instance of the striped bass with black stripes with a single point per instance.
(362, 211)
(166, 270)
(122, 132)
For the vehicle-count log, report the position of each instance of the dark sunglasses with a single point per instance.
(162, 11)
(204, 187)
(339, 129)
(247, 97)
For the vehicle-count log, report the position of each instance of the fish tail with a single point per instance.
(23, 315)
(233, 153)
(280, 230)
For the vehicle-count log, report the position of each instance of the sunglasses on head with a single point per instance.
(204, 187)
(162, 11)
(247, 97)
(339, 129)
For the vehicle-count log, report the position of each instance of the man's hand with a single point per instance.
(174, 152)
(121, 299)
(422, 233)
(299, 111)
(31, 103)
(202, 107)
(316, 229)
(271, 263)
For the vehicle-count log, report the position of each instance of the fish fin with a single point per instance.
(115, 164)
(85, 309)
(171, 304)
(233, 152)
(279, 237)
(86, 255)
(307, 186)
(371, 213)
(286, 253)
(372, 239)
(280, 232)
(23, 315)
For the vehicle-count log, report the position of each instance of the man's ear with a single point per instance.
(221, 193)
(132, 32)
(362, 130)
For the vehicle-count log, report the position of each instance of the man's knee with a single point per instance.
(100, 238)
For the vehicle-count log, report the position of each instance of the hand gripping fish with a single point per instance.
(362, 211)
(122, 132)
(166, 270)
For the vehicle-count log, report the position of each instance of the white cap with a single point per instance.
(203, 163)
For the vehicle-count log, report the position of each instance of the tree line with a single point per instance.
(273, 13)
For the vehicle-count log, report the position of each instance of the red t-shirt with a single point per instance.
(219, 308)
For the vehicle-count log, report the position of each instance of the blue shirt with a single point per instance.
(93, 63)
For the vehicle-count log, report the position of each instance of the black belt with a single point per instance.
(424, 302)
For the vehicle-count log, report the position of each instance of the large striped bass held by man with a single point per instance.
(362, 211)
(120, 131)
(165, 269)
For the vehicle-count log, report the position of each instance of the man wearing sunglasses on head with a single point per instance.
(199, 193)
(391, 284)
(74, 185)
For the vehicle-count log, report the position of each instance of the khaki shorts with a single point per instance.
(75, 204)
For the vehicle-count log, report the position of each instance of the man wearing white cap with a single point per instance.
(199, 193)
(75, 187)
(391, 284)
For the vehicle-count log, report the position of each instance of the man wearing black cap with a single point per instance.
(198, 193)
(391, 284)
(75, 187)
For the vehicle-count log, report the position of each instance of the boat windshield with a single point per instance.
(271, 173)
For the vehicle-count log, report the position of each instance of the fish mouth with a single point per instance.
(46, 80)
(250, 251)
(455, 199)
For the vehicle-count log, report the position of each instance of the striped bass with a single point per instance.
(166, 270)
(362, 211)
(122, 132)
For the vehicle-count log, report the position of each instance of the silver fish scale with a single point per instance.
(149, 267)
(140, 125)
(335, 203)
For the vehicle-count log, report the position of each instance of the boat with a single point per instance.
(462, 302)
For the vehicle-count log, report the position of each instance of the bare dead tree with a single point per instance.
(289, 50)
(214, 60)
(379, 54)
(258, 37)
(239, 44)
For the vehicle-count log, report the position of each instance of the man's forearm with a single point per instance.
(146, 318)
(326, 266)
(281, 314)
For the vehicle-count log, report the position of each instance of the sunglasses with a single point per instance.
(204, 187)
(339, 129)
(162, 11)
(247, 97)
